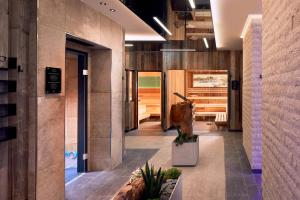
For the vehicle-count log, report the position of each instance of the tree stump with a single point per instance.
(182, 116)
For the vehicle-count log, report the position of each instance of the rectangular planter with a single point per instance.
(186, 154)
(177, 192)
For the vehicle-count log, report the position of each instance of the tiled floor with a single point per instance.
(223, 171)
(103, 185)
(153, 128)
(240, 182)
(70, 169)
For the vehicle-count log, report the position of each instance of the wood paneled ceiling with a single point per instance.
(200, 26)
(198, 22)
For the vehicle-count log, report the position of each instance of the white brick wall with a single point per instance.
(281, 99)
(252, 91)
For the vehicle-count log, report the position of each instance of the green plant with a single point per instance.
(172, 173)
(153, 182)
(183, 137)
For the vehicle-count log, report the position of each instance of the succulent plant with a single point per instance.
(172, 173)
(153, 182)
(183, 137)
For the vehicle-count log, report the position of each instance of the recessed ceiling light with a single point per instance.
(102, 3)
(162, 25)
(192, 4)
(112, 10)
(206, 43)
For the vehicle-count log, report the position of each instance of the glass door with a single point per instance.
(131, 101)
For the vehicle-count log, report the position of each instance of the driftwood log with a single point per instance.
(182, 116)
(131, 191)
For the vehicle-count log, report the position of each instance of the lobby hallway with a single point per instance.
(223, 171)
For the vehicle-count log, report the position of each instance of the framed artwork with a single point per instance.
(210, 80)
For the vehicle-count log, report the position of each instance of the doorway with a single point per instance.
(208, 90)
(75, 114)
(149, 101)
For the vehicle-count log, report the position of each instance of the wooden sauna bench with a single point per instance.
(208, 102)
(149, 101)
(221, 119)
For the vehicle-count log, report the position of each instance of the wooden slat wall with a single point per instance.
(151, 98)
(5, 182)
(17, 157)
(157, 61)
(144, 61)
(210, 60)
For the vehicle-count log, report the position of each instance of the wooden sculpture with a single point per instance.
(182, 115)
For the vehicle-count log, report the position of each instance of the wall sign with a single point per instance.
(53, 80)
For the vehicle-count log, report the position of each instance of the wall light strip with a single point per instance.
(177, 50)
(216, 6)
(129, 45)
(162, 25)
(248, 22)
(206, 43)
(192, 3)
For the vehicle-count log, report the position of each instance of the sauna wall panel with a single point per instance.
(176, 83)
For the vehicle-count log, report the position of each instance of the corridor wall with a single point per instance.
(281, 99)
(252, 91)
(105, 91)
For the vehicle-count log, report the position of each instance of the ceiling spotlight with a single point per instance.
(206, 43)
(192, 4)
(102, 3)
(129, 45)
(112, 10)
(162, 25)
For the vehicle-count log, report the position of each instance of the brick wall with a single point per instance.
(252, 91)
(281, 99)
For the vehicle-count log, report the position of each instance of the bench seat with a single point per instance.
(221, 119)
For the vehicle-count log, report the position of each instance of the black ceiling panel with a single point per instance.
(202, 4)
(147, 9)
(180, 5)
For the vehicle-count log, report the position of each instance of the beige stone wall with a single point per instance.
(281, 99)
(55, 19)
(252, 91)
(100, 100)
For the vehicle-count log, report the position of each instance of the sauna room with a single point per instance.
(208, 91)
(149, 100)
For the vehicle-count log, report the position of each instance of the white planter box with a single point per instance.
(177, 192)
(186, 154)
